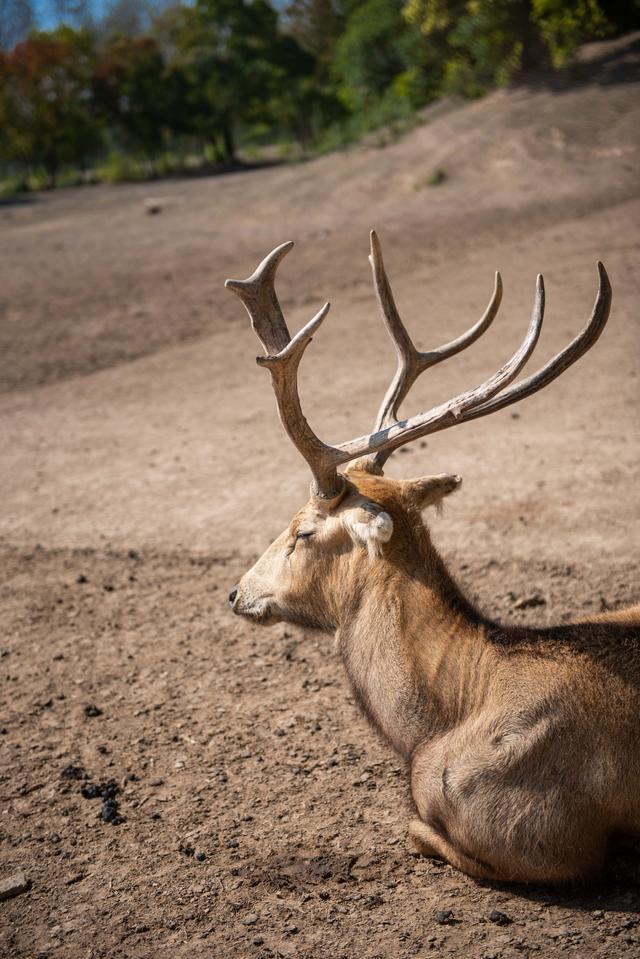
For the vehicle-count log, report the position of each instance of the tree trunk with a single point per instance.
(527, 32)
(51, 168)
(228, 140)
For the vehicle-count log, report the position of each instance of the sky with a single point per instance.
(47, 16)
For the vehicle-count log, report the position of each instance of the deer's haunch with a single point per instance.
(523, 743)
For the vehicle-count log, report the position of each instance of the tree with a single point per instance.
(46, 101)
(225, 49)
(371, 53)
(483, 44)
(131, 18)
(298, 106)
(564, 26)
(132, 92)
(316, 25)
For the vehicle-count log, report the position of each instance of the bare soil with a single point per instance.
(143, 469)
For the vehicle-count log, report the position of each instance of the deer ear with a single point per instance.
(369, 526)
(430, 490)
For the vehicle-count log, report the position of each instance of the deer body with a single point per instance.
(523, 743)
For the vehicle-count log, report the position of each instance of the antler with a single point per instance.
(411, 362)
(282, 360)
(284, 355)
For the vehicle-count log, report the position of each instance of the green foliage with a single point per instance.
(486, 43)
(228, 52)
(384, 120)
(371, 53)
(121, 168)
(437, 177)
(563, 26)
(317, 25)
(157, 87)
(132, 93)
(45, 101)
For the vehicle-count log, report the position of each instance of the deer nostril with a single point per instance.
(232, 597)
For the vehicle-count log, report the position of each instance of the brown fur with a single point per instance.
(523, 743)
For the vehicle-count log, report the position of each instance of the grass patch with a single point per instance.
(435, 178)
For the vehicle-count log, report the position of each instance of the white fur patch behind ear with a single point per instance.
(370, 527)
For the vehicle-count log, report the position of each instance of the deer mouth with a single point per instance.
(259, 611)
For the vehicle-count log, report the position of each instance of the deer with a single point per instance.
(522, 743)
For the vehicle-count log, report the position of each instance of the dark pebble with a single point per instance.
(444, 917)
(200, 856)
(109, 812)
(105, 790)
(186, 850)
(82, 579)
(257, 940)
(91, 791)
(500, 918)
(74, 772)
(91, 710)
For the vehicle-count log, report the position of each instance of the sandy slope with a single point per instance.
(133, 419)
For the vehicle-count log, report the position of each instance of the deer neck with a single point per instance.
(413, 647)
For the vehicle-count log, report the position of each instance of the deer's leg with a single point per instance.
(432, 841)
(492, 809)
(422, 841)
(433, 833)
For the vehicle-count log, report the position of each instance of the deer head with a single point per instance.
(358, 521)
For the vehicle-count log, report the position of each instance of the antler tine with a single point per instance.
(411, 362)
(258, 294)
(282, 360)
(563, 360)
(455, 410)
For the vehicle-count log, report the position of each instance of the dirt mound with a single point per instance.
(91, 281)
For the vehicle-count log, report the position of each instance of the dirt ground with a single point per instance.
(250, 810)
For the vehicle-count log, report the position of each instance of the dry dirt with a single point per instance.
(143, 469)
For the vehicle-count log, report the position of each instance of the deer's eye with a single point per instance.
(304, 534)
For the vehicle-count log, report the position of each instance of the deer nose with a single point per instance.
(232, 597)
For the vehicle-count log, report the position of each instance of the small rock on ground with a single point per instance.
(13, 886)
